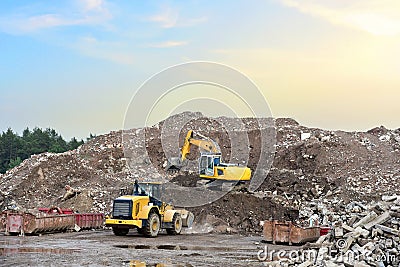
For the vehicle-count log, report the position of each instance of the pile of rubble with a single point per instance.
(363, 234)
(97, 169)
(241, 212)
(308, 164)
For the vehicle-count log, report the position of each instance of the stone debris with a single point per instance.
(70, 192)
(336, 174)
(367, 236)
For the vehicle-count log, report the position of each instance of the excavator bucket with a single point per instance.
(174, 164)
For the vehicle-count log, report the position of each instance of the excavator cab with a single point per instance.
(207, 163)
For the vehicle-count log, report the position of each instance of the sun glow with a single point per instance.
(375, 24)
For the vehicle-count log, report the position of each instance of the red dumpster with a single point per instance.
(51, 220)
(14, 222)
(324, 230)
(56, 210)
(89, 220)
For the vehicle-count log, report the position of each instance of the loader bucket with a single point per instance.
(174, 164)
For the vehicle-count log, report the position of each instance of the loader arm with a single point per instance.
(206, 144)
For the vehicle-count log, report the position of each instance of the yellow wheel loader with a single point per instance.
(142, 210)
(211, 166)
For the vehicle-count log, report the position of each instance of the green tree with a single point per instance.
(14, 162)
(74, 143)
(14, 148)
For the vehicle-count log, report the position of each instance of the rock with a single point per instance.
(305, 136)
(380, 219)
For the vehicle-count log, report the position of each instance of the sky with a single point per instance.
(76, 65)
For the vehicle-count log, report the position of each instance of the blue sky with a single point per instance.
(75, 65)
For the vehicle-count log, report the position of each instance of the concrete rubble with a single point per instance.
(339, 175)
(363, 234)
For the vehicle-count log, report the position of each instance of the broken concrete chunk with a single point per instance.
(387, 229)
(338, 231)
(389, 198)
(369, 217)
(306, 263)
(305, 136)
(380, 219)
(364, 233)
(77, 228)
(361, 264)
(347, 228)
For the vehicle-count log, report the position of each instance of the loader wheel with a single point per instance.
(176, 224)
(153, 225)
(120, 231)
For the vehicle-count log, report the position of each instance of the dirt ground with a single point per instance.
(102, 248)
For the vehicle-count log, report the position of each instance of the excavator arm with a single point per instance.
(204, 144)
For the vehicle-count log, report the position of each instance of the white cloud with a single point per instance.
(93, 4)
(167, 44)
(378, 17)
(170, 18)
(89, 12)
(111, 51)
(167, 18)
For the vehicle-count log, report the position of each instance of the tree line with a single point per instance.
(15, 148)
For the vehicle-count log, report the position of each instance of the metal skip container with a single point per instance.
(17, 222)
(13, 222)
(287, 232)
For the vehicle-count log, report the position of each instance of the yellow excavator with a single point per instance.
(211, 166)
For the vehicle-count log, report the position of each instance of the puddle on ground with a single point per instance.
(10, 251)
(135, 246)
(137, 263)
(175, 247)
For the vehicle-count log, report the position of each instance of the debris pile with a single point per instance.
(308, 165)
(96, 170)
(240, 212)
(363, 234)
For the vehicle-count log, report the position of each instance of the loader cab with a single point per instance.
(151, 189)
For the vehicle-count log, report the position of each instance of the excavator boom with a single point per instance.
(205, 144)
(211, 166)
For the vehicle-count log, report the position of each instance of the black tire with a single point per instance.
(176, 225)
(152, 225)
(120, 231)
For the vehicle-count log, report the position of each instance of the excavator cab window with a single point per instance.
(210, 166)
(202, 164)
(217, 161)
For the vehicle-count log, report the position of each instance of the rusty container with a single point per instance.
(287, 232)
(14, 222)
(50, 220)
(52, 223)
(89, 220)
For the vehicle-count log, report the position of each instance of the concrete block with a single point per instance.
(378, 220)
(361, 264)
(362, 232)
(387, 229)
(347, 228)
(306, 264)
(369, 217)
(338, 231)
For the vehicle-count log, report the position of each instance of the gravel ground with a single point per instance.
(102, 248)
